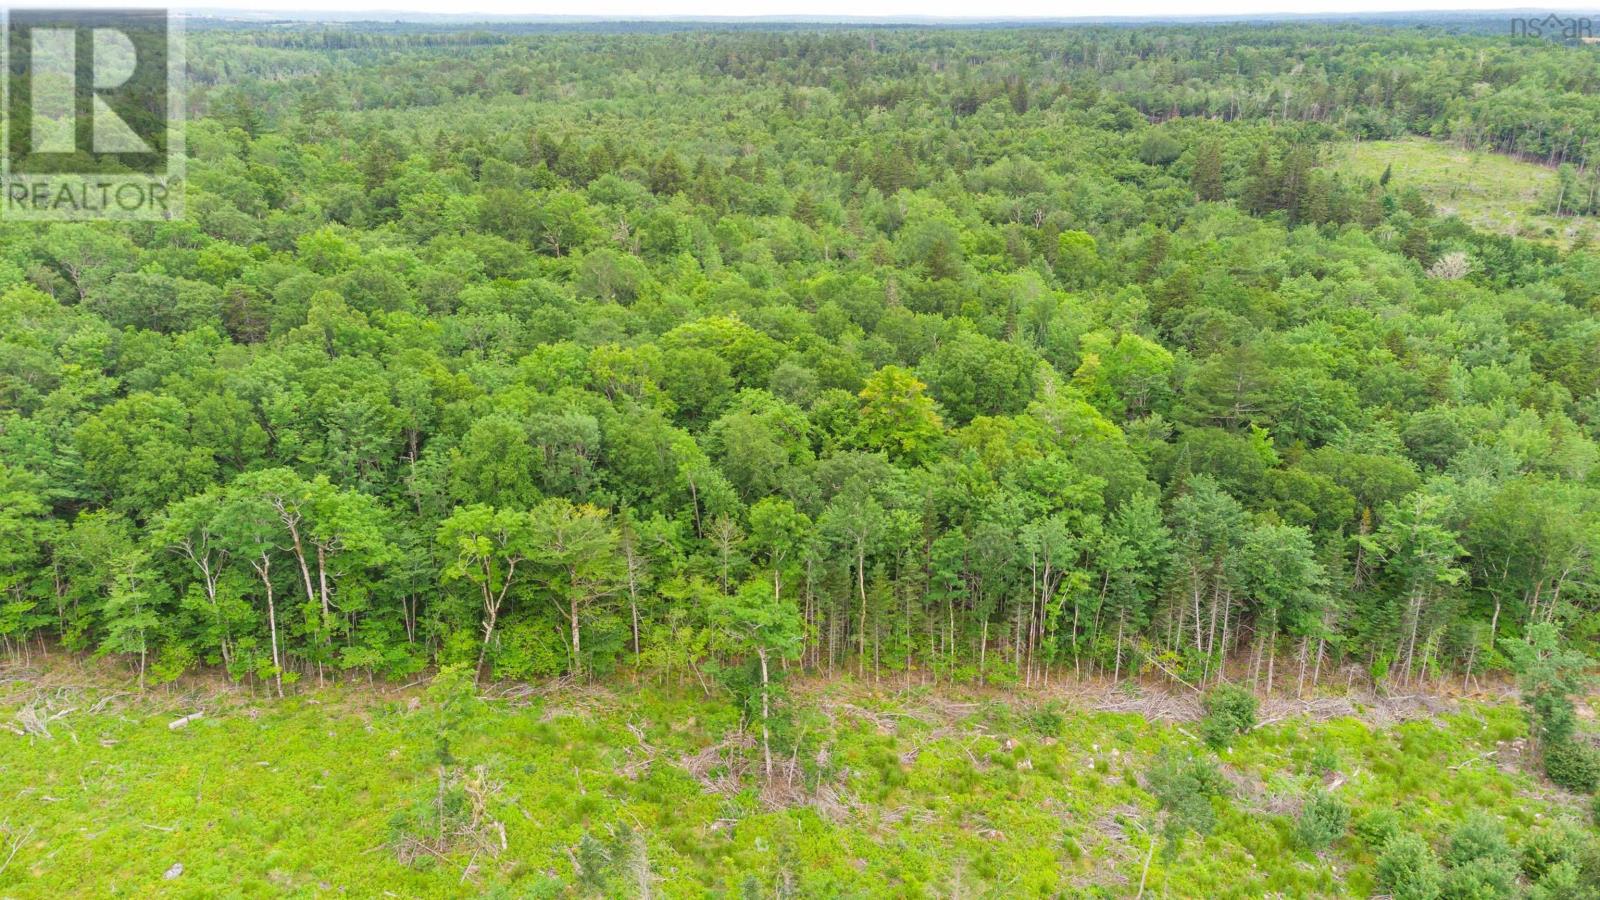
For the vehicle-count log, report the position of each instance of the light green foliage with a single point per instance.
(1492, 191)
(896, 416)
(1056, 385)
(977, 358)
(272, 797)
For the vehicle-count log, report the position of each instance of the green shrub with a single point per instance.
(1480, 879)
(1230, 711)
(528, 648)
(1482, 864)
(1322, 821)
(1047, 720)
(1324, 759)
(1564, 881)
(1543, 850)
(1183, 787)
(1408, 870)
(1572, 765)
(1377, 828)
(1479, 837)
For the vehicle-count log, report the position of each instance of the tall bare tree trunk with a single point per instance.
(264, 569)
(861, 631)
(766, 713)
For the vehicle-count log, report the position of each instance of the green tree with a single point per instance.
(897, 417)
(484, 546)
(764, 624)
(574, 547)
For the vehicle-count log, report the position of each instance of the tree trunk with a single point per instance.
(861, 631)
(264, 569)
(577, 644)
(766, 713)
(1116, 671)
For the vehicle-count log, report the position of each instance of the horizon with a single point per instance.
(1027, 12)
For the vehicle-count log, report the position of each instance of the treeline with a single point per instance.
(718, 372)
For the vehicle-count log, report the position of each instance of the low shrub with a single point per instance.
(1408, 870)
(1572, 765)
(1230, 711)
(1479, 837)
(1377, 828)
(1484, 878)
(1324, 760)
(1544, 849)
(1183, 787)
(1047, 720)
(1564, 881)
(1322, 821)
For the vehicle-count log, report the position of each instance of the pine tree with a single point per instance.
(1207, 175)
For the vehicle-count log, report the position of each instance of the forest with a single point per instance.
(706, 360)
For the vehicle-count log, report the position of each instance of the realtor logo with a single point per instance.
(1554, 27)
(94, 115)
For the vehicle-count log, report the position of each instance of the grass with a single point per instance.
(1488, 190)
(903, 795)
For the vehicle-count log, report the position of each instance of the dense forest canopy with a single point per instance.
(949, 355)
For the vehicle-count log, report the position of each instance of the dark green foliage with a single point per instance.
(1553, 845)
(1482, 863)
(1564, 881)
(1479, 837)
(1184, 787)
(1081, 352)
(1378, 827)
(1230, 711)
(1572, 764)
(1548, 675)
(1409, 870)
(1480, 879)
(1046, 720)
(1322, 821)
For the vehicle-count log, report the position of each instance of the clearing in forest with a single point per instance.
(1488, 190)
(585, 791)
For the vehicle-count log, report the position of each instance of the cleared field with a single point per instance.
(655, 793)
(1488, 190)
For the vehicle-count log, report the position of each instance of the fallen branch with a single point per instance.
(1466, 762)
(183, 721)
(1173, 675)
(16, 842)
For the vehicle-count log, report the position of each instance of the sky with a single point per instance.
(983, 9)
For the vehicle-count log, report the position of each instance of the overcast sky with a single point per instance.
(984, 9)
